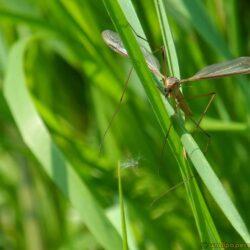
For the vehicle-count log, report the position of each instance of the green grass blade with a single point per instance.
(123, 218)
(116, 14)
(38, 140)
(214, 186)
(135, 54)
(138, 61)
(172, 60)
(130, 14)
(22, 18)
(76, 81)
(193, 151)
(199, 161)
(234, 33)
(204, 222)
(205, 27)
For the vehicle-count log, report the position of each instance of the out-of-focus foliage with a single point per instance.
(75, 82)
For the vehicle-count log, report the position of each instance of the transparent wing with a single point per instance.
(151, 61)
(113, 40)
(237, 66)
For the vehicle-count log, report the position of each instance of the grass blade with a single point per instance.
(123, 219)
(37, 138)
(193, 151)
(204, 222)
(204, 26)
(168, 40)
(198, 159)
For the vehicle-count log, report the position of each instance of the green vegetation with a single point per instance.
(60, 85)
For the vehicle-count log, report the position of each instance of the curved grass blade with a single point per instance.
(177, 149)
(38, 140)
(215, 187)
(138, 59)
(203, 167)
(204, 222)
(194, 153)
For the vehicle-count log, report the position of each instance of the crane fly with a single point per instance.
(238, 66)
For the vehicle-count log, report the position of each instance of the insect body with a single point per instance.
(236, 66)
(171, 84)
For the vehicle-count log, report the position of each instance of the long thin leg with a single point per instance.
(212, 94)
(116, 110)
(170, 189)
(138, 34)
(164, 145)
(165, 139)
(204, 132)
(162, 48)
(197, 124)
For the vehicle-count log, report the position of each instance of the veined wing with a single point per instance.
(236, 66)
(113, 40)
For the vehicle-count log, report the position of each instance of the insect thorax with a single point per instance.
(171, 85)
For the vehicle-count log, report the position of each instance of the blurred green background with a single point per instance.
(75, 82)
